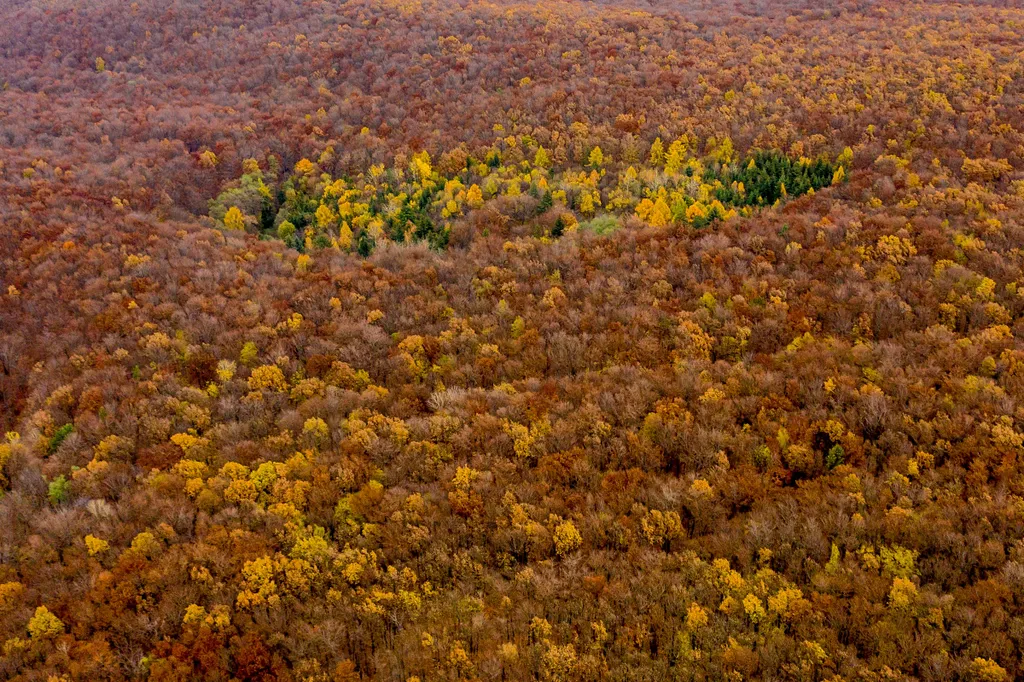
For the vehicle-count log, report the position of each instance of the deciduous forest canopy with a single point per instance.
(413, 340)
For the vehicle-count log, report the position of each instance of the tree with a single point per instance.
(545, 203)
(96, 545)
(325, 216)
(345, 237)
(587, 203)
(248, 353)
(567, 538)
(285, 231)
(45, 625)
(541, 158)
(365, 244)
(267, 377)
(420, 166)
(661, 213)
(58, 437)
(559, 227)
(58, 490)
(233, 219)
(676, 157)
(657, 154)
(987, 670)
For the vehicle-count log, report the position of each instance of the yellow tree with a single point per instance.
(657, 156)
(845, 157)
(644, 209)
(676, 157)
(541, 158)
(661, 213)
(696, 212)
(325, 216)
(345, 237)
(587, 203)
(420, 166)
(44, 625)
(567, 538)
(233, 219)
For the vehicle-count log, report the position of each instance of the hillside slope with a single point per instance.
(286, 398)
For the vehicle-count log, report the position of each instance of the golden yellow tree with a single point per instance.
(345, 237)
(661, 213)
(567, 538)
(676, 157)
(657, 156)
(325, 216)
(45, 625)
(541, 158)
(233, 219)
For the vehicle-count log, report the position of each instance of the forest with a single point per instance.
(480, 340)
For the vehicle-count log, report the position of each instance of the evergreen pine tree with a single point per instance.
(559, 229)
(365, 245)
(546, 202)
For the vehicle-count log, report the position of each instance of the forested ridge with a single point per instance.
(415, 340)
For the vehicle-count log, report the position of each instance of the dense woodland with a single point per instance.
(417, 340)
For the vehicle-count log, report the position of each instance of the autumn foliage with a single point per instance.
(417, 340)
